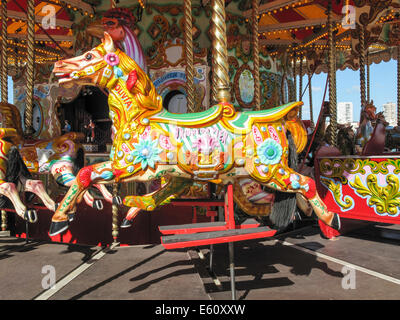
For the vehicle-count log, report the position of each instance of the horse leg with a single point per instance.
(131, 214)
(36, 187)
(97, 173)
(289, 180)
(173, 188)
(104, 191)
(168, 191)
(9, 190)
(63, 173)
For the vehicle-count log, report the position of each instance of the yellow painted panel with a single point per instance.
(38, 8)
(311, 12)
(266, 20)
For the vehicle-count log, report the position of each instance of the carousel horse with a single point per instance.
(14, 171)
(61, 156)
(366, 127)
(377, 141)
(219, 145)
(345, 139)
(273, 208)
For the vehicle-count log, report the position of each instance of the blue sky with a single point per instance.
(383, 88)
(10, 91)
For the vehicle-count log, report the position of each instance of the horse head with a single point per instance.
(368, 112)
(88, 68)
(131, 90)
(380, 118)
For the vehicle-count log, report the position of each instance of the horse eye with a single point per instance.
(89, 56)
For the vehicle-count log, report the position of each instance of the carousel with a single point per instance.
(186, 119)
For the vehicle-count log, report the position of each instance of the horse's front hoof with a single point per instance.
(31, 215)
(126, 223)
(117, 200)
(58, 227)
(335, 223)
(98, 204)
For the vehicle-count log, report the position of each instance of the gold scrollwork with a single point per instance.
(385, 199)
(334, 168)
(336, 189)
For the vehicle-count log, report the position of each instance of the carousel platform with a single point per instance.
(291, 266)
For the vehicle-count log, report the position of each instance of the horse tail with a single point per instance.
(16, 168)
(79, 161)
(284, 205)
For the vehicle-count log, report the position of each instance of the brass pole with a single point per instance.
(398, 85)
(220, 56)
(189, 55)
(310, 97)
(362, 65)
(300, 83)
(30, 66)
(294, 76)
(368, 88)
(4, 55)
(115, 227)
(3, 220)
(256, 56)
(332, 79)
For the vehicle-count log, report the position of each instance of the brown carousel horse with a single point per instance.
(219, 145)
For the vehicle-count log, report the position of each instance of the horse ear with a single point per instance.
(108, 43)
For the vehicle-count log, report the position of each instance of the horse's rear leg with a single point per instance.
(63, 173)
(288, 180)
(9, 190)
(36, 187)
(170, 190)
(104, 191)
(173, 188)
(86, 177)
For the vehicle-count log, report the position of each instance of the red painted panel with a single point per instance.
(93, 227)
(361, 210)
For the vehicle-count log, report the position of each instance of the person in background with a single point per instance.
(90, 131)
(67, 127)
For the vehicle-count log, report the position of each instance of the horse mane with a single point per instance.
(11, 117)
(143, 92)
(133, 48)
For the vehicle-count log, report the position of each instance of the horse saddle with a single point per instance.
(226, 112)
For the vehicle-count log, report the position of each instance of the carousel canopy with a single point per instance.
(294, 28)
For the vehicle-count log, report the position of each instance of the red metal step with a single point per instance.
(205, 227)
(206, 238)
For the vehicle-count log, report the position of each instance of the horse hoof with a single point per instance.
(335, 224)
(126, 223)
(71, 217)
(31, 215)
(117, 200)
(58, 227)
(98, 204)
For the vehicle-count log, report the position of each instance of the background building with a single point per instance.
(390, 113)
(345, 112)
